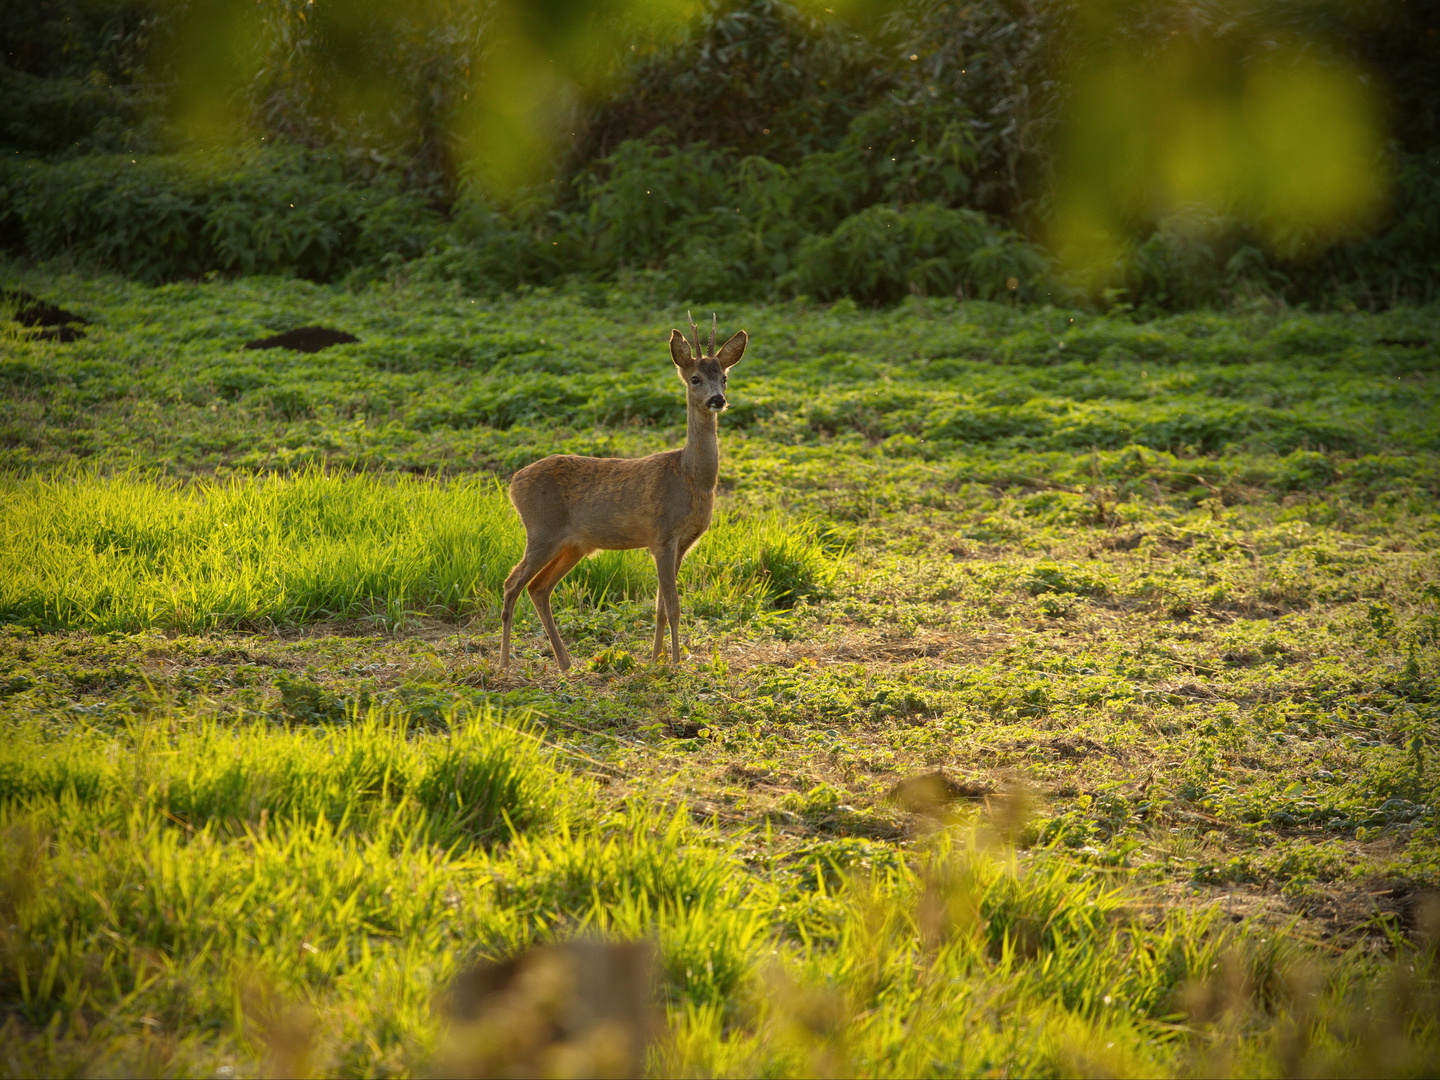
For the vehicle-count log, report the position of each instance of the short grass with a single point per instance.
(1159, 599)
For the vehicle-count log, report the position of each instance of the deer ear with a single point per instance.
(680, 349)
(730, 353)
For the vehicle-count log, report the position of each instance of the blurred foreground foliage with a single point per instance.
(759, 150)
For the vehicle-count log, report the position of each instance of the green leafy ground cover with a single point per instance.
(1159, 599)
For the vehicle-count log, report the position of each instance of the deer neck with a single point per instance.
(701, 456)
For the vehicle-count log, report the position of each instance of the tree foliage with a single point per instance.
(809, 154)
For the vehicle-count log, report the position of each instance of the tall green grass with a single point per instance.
(482, 781)
(190, 871)
(132, 552)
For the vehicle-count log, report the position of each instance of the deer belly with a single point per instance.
(617, 536)
(628, 528)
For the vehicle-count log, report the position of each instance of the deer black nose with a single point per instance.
(716, 402)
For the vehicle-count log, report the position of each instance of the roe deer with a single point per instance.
(574, 506)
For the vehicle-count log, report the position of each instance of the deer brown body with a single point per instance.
(574, 506)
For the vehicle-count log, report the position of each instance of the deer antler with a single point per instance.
(712, 333)
(695, 333)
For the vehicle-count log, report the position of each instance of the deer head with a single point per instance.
(704, 373)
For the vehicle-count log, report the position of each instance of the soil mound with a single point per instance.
(304, 339)
(30, 310)
(59, 333)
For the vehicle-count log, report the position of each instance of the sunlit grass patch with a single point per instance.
(129, 552)
(132, 552)
(191, 871)
(769, 557)
(974, 958)
(479, 781)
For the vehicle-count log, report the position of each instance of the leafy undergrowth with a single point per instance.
(1061, 695)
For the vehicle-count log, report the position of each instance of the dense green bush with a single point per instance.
(956, 101)
(647, 201)
(709, 224)
(882, 253)
(718, 226)
(963, 107)
(1400, 261)
(487, 249)
(161, 218)
(1197, 259)
(59, 115)
(997, 64)
(1202, 259)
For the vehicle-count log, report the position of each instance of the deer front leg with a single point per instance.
(667, 565)
(659, 649)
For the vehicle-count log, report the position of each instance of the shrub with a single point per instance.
(487, 249)
(998, 58)
(382, 83)
(640, 205)
(762, 147)
(162, 218)
(58, 115)
(882, 253)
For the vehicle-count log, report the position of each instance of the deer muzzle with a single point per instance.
(716, 402)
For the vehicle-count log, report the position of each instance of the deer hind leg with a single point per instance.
(540, 588)
(536, 556)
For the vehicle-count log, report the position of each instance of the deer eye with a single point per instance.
(695, 379)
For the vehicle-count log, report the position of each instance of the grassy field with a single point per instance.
(1061, 694)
